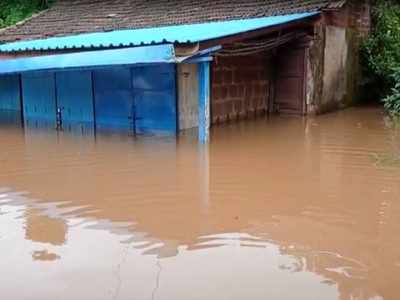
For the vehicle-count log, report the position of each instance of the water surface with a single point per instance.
(277, 208)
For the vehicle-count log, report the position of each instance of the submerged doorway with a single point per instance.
(140, 99)
(271, 81)
(290, 82)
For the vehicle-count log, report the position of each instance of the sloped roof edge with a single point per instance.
(191, 33)
(67, 17)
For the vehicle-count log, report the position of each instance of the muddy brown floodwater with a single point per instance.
(278, 208)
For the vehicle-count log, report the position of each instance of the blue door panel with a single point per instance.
(39, 97)
(10, 117)
(155, 99)
(155, 112)
(10, 98)
(156, 77)
(113, 98)
(74, 97)
(115, 78)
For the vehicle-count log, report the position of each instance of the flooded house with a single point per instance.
(166, 66)
(281, 207)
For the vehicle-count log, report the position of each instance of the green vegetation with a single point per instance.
(392, 100)
(13, 11)
(381, 54)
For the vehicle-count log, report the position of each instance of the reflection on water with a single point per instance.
(283, 208)
(44, 229)
(44, 256)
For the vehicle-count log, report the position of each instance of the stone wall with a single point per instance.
(240, 87)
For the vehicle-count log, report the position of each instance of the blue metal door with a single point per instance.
(155, 99)
(113, 98)
(10, 98)
(39, 98)
(74, 98)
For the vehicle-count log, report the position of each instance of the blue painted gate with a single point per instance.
(74, 98)
(113, 98)
(140, 99)
(39, 98)
(155, 98)
(10, 98)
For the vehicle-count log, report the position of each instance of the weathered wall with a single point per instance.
(335, 67)
(334, 62)
(240, 87)
(315, 70)
(188, 94)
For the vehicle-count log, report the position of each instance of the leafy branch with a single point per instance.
(13, 11)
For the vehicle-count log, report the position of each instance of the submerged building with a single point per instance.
(163, 66)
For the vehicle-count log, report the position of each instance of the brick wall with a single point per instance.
(240, 87)
(362, 16)
(355, 15)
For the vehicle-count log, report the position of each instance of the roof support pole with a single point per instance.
(204, 101)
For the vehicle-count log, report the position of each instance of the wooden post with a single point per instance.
(204, 101)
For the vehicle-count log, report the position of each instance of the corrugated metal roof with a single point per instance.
(169, 34)
(90, 59)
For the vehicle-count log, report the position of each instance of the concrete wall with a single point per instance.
(188, 94)
(315, 70)
(333, 68)
(240, 87)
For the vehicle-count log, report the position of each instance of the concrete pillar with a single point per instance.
(204, 101)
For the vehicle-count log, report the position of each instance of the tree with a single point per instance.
(13, 11)
(381, 53)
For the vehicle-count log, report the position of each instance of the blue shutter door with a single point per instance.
(39, 98)
(113, 98)
(10, 98)
(155, 98)
(74, 97)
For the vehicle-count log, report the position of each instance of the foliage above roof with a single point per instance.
(67, 17)
(14, 11)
